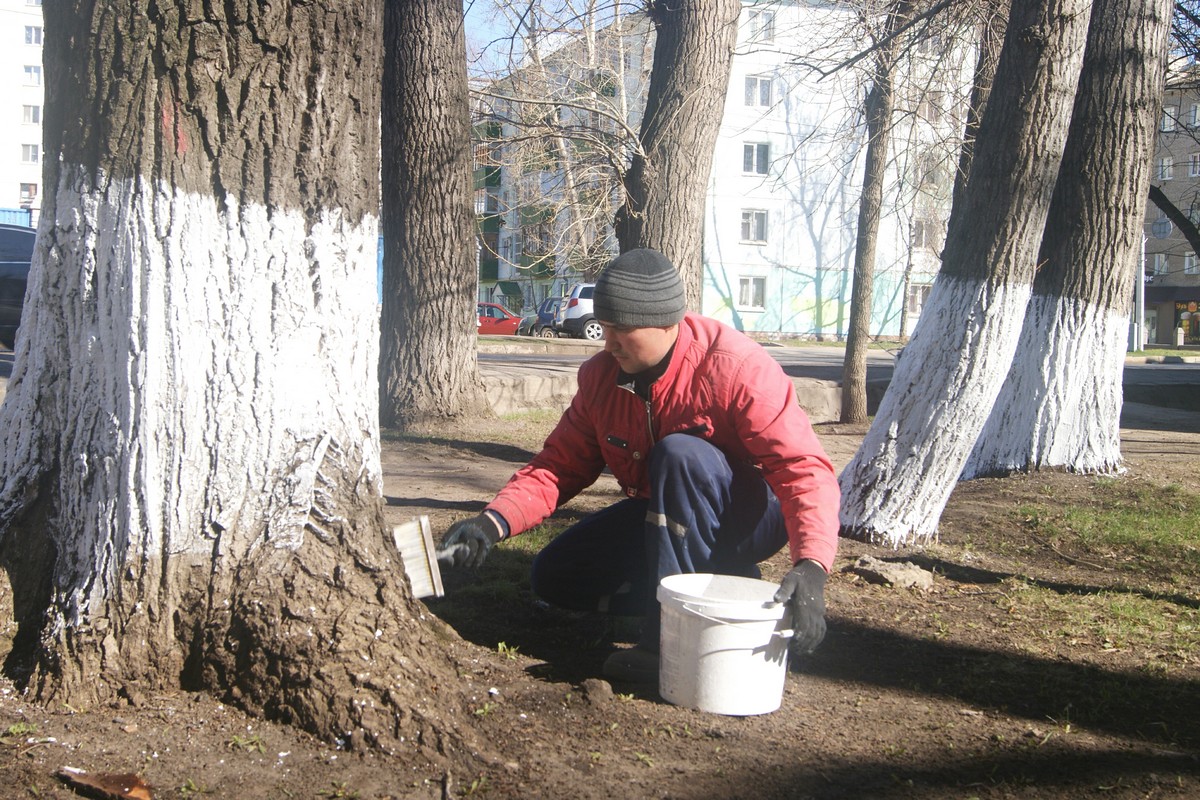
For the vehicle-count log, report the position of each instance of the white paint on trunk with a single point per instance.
(941, 393)
(201, 373)
(1061, 404)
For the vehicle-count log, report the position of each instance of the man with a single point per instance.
(719, 466)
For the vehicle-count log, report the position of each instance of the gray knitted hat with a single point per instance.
(641, 289)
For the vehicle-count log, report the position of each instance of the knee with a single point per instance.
(681, 451)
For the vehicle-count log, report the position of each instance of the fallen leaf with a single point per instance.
(105, 785)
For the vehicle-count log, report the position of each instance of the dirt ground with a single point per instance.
(957, 692)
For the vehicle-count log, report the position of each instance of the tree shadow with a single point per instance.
(1034, 769)
(1141, 705)
(961, 573)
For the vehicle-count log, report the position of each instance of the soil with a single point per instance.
(955, 692)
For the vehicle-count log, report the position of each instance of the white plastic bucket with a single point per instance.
(724, 644)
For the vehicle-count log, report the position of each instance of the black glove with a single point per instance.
(468, 542)
(803, 589)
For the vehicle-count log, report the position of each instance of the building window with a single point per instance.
(758, 90)
(1166, 168)
(754, 226)
(756, 158)
(33, 75)
(918, 296)
(33, 34)
(29, 153)
(28, 193)
(1194, 165)
(930, 107)
(1193, 118)
(1170, 114)
(37, 3)
(761, 24)
(32, 115)
(752, 293)
(924, 232)
(1159, 264)
(1189, 264)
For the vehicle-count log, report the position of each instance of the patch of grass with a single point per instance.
(247, 744)
(1126, 526)
(1111, 620)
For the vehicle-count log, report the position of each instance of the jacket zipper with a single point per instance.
(649, 412)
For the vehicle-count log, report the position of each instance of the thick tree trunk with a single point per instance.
(1061, 404)
(991, 39)
(944, 385)
(427, 365)
(665, 188)
(878, 113)
(189, 444)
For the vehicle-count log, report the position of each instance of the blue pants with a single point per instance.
(704, 515)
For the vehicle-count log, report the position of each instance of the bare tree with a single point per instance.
(427, 363)
(950, 373)
(665, 185)
(189, 446)
(1061, 404)
(878, 113)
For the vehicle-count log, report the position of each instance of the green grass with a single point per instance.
(1129, 526)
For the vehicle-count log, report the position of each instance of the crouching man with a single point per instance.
(718, 463)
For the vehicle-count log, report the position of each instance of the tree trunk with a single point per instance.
(1061, 404)
(427, 365)
(943, 387)
(991, 39)
(192, 490)
(665, 189)
(878, 113)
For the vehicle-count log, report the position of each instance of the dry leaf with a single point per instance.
(106, 785)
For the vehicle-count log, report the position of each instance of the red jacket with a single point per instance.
(720, 385)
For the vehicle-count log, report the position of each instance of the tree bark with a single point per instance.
(427, 363)
(943, 387)
(1061, 404)
(878, 113)
(665, 188)
(189, 446)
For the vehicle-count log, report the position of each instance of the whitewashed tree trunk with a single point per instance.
(189, 447)
(1061, 404)
(944, 385)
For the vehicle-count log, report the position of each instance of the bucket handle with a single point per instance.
(784, 634)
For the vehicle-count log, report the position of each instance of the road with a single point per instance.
(1171, 385)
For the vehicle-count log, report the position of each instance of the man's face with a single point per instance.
(637, 349)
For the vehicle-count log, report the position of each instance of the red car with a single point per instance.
(496, 319)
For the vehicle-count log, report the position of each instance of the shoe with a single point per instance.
(635, 665)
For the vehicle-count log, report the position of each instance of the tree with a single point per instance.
(949, 375)
(427, 364)
(666, 183)
(189, 446)
(878, 113)
(1061, 404)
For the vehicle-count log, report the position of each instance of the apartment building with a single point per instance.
(1171, 270)
(782, 204)
(21, 101)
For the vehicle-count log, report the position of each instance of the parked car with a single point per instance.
(16, 251)
(575, 317)
(547, 312)
(496, 319)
